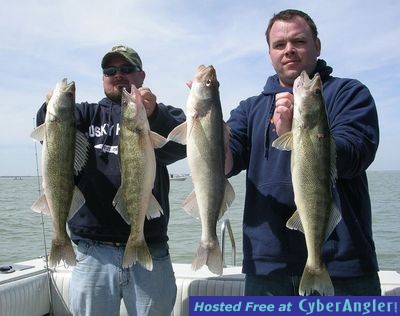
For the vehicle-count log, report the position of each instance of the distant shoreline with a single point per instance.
(186, 174)
(18, 176)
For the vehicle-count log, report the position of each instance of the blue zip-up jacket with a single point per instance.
(268, 246)
(101, 177)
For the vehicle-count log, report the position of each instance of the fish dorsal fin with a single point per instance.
(229, 196)
(284, 142)
(190, 205)
(157, 140)
(120, 206)
(81, 151)
(41, 205)
(77, 202)
(39, 132)
(154, 210)
(294, 222)
(178, 134)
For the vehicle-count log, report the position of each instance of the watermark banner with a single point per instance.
(293, 305)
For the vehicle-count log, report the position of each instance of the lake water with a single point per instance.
(21, 233)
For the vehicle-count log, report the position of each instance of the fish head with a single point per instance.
(308, 99)
(133, 112)
(62, 100)
(300, 81)
(204, 86)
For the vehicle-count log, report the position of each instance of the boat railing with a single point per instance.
(226, 225)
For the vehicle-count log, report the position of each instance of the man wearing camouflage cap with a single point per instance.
(98, 280)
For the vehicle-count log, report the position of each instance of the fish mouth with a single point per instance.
(300, 81)
(304, 81)
(314, 84)
(126, 96)
(129, 91)
(67, 87)
(207, 75)
(203, 68)
(126, 92)
(132, 94)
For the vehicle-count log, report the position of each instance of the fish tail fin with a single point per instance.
(200, 259)
(214, 260)
(62, 250)
(137, 252)
(316, 280)
(210, 256)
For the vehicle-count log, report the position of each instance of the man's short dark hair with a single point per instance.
(288, 15)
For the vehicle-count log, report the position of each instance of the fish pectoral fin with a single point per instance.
(154, 210)
(120, 206)
(294, 222)
(190, 205)
(39, 132)
(284, 142)
(229, 196)
(77, 202)
(157, 140)
(178, 134)
(41, 205)
(334, 219)
(81, 151)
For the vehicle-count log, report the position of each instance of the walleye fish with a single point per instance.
(134, 199)
(313, 168)
(64, 152)
(206, 137)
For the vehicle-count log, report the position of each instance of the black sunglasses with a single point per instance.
(126, 69)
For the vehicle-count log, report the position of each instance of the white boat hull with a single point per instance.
(26, 292)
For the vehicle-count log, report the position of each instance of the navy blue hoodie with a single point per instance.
(101, 177)
(268, 246)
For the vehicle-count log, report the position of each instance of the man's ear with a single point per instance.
(318, 46)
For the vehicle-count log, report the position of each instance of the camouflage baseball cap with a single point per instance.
(128, 53)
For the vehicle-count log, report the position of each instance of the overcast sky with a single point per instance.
(45, 41)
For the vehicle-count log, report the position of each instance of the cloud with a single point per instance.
(45, 41)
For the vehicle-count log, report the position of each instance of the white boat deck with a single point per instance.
(26, 291)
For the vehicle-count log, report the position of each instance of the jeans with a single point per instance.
(98, 282)
(285, 285)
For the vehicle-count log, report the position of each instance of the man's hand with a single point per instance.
(149, 100)
(283, 114)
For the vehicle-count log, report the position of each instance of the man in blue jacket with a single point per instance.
(98, 280)
(274, 256)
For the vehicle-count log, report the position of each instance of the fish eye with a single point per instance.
(208, 83)
(317, 92)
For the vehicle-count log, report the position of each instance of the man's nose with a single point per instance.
(289, 49)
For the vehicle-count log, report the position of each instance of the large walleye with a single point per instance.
(313, 167)
(134, 199)
(206, 136)
(63, 153)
